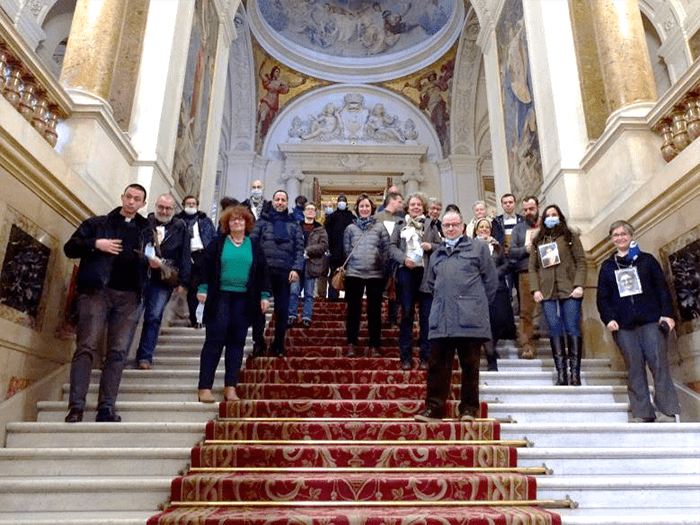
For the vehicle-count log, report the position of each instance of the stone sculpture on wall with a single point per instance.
(353, 121)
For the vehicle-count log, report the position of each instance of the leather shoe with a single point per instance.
(107, 415)
(406, 365)
(351, 351)
(428, 415)
(423, 365)
(230, 394)
(74, 416)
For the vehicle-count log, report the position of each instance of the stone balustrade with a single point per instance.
(677, 115)
(28, 85)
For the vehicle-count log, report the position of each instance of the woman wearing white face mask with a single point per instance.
(557, 276)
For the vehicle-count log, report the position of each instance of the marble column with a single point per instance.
(622, 51)
(293, 177)
(411, 180)
(93, 46)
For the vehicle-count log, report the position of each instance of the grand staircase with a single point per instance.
(570, 450)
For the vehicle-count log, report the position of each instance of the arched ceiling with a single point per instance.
(356, 41)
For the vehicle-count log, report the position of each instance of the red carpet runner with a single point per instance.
(318, 439)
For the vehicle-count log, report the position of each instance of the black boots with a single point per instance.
(491, 356)
(575, 347)
(559, 355)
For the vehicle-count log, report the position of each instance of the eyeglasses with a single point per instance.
(620, 235)
(448, 225)
(165, 208)
(236, 219)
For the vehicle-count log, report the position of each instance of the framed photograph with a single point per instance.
(628, 282)
(549, 254)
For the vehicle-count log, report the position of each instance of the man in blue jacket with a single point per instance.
(282, 243)
(111, 279)
(463, 281)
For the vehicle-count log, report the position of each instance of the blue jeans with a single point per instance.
(308, 284)
(563, 317)
(117, 312)
(228, 326)
(407, 292)
(155, 299)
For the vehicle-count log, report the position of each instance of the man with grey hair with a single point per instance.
(463, 281)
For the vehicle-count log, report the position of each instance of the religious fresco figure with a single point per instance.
(269, 103)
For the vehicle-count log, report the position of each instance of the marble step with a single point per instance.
(613, 461)
(180, 391)
(517, 376)
(162, 435)
(137, 411)
(681, 491)
(151, 411)
(630, 516)
(106, 460)
(76, 517)
(597, 434)
(100, 493)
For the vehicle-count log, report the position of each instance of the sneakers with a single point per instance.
(429, 415)
(74, 416)
(423, 365)
(406, 365)
(351, 351)
(306, 322)
(144, 365)
(291, 320)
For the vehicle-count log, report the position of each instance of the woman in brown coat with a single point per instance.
(557, 275)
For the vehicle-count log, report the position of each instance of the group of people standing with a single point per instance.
(462, 284)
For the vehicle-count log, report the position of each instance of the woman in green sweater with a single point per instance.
(235, 283)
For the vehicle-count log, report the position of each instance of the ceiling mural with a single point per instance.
(356, 28)
(356, 41)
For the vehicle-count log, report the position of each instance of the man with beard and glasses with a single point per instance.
(171, 244)
(520, 249)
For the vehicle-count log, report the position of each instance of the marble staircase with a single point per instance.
(98, 473)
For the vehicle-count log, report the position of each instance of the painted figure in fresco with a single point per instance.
(269, 104)
(431, 88)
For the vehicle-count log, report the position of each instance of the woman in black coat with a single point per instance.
(235, 284)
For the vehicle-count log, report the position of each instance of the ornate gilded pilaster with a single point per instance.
(622, 51)
(93, 46)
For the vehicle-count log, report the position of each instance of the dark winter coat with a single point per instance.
(96, 267)
(634, 310)
(207, 230)
(463, 281)
(335, 227)
(281, 240)
(174, 248)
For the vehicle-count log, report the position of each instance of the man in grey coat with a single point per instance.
(463, 280)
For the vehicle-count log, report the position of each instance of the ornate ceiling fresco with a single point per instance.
(356, 40)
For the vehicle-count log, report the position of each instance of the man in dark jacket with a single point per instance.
(283, 245)
(202, 231)
(170, 247)
(335, 226)
(111, 278)
(635, 305)
(463, 280)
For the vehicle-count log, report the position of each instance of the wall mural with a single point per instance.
(522, 141)
(356, 28)
(430, 89)
(276, 85)
(196, 94)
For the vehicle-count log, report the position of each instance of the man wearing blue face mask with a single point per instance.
(335, 226)
(257, 202)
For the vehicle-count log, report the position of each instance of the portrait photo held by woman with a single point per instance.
(557, 277)
(235, 285)
(635, 305)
